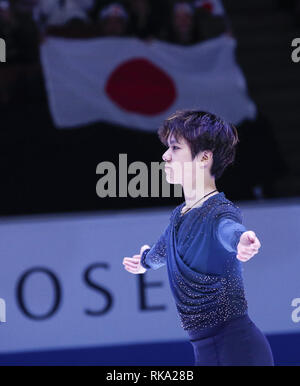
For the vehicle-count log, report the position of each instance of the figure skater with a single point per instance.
(204, 244)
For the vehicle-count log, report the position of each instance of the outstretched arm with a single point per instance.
(150, 257)
(235, 238)
(156, 256)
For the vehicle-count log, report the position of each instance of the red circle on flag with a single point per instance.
(140, 86)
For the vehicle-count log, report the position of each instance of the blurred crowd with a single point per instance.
(24, 23)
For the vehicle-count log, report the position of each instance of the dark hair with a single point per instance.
(203, 131)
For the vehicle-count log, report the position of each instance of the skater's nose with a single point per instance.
(166, 156)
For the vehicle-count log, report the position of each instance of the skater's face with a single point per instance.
(180, 168)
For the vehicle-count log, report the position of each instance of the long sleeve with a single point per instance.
(206, 280)
(156, 256)
(228, 232)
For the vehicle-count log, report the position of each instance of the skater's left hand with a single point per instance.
(248, 246)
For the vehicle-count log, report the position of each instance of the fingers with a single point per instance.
(133, 264)
(256, 242)
(136, 256)
(248, 250)
(131, 268)
(253, 239)
(245, 256)
(245, 253)
(131, 259)
(129, 264)
(252, 250)
(251, 236)
(243, 259)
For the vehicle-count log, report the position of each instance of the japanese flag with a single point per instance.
(136, 84)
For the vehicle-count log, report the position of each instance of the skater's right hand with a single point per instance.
(133, 264)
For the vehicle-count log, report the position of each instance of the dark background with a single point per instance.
(45, 169)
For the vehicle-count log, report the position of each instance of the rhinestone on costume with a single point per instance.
(202, 300)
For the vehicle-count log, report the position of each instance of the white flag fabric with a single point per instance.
(132, 83)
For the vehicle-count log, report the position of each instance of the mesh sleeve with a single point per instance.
(156, 256)
(228, 226)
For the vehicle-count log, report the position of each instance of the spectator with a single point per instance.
(210, 21)
(98, 5)
(214, 7)
(59, 13)
(146, 18)
(85, 5)
(20, 33)
(182, 28)
(113, 20)
(22, 50)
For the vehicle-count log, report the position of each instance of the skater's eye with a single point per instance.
(175, 147)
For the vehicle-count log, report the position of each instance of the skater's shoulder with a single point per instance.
(225, 206)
